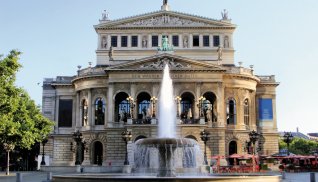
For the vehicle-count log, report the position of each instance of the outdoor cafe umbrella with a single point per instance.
(235, 156)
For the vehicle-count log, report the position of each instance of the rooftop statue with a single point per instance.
(165, 2)
(225, 15)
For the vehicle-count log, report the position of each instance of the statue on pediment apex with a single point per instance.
(165, 2)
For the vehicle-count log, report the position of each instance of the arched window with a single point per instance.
(84, 112)
(246, 112)
(186, 105)
(122, 109)
(97, 153)
(231, 111)
(143, 101)
(99, 111)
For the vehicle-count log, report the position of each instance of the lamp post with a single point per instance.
(44, 141)
(126, 136)
(8, 148)
(254, 136)
(132, 105)
(288, 138)
(201, 100)
(154, 101)
(78, 137)
(205, 137)
(178, 99)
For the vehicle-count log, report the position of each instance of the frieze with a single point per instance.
(164, 20)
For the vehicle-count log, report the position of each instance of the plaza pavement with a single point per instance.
(42, 176)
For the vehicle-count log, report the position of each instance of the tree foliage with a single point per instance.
(300, 146)
(21, 122)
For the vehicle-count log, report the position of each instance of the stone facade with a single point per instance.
(94, 101)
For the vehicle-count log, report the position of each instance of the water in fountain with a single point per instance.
(167, 107)
(165, 153)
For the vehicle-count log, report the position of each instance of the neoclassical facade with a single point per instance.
(120, 93)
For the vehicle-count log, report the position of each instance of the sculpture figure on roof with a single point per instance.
(225, 15)
(165, 2)
(220, 53)
(105, 15)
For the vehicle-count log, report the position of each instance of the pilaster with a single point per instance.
(110, 103)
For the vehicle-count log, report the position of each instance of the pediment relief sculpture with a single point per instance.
(160, 63)
(164, 20)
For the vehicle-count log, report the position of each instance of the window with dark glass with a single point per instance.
(206, 41)
(154, 40)
(99, 111)
(246, 113)
(65, 113)
(134, 41)
(114, 41)
(231, 112)
(175, 40)
(216, 41)
(124, 41)
(196, 41)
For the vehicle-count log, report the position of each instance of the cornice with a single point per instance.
(244, 77)
(88, 77)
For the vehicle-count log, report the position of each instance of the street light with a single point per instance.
(126, 136)
(288, 138)
(205, 137)
(154, 100)
(78, 137)
(254, 136)
(132, 105)
(178, 99)
(201, 100)
(44, 141)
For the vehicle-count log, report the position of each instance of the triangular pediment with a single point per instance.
(165, 19)
(157, 62)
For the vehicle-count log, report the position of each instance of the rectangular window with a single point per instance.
(114, 41)
(196, 41)
(206, 41)
(134, 41)
(175, 40)
(124, 41)
(65, 113)
(216, 41)
(154, 40)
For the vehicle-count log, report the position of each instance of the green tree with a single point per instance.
(21, 122)
(300, 146)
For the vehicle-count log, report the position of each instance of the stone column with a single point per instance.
(190, 42)
(211, 41)
(129, 41)
(89, 113)
(159, 39)
(200, 40)
(57, 102)
(139, 41)
(78, 103)
(149, 43)
(108, 41)
(196, 102)
(133, 95)
(220, 105)
(110, 104)
(119, 41)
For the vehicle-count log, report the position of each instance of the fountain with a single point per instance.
(162, 153)
(166, 144)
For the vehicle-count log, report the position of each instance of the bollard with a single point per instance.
(19, 177)
(312, 177)
(283, 175)
(49, 176)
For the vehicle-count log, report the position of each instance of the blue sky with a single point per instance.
(278, 37)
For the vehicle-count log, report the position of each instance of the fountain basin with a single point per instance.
(125, 178)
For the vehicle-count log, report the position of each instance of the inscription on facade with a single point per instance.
(159, 76)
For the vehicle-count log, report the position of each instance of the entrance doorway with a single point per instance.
(98, 153)
(232, 150)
